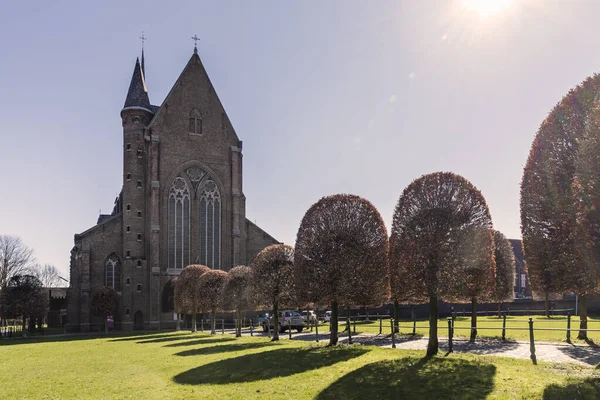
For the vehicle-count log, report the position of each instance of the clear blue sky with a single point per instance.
(328, 97)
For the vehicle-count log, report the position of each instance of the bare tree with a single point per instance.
(341, 255)
(434, 216)
(236, 295)
(48, 274)
(187, 296)
(272, 280)
(15, 258)
(504, 289)
(210, 293)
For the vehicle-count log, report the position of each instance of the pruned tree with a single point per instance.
(187, 295)
(585, 276)
(434, 216)
(475, 276)
(273, 280)
(104, 304)
(210, 293)
(48, 274)
(236, 295)
(504, 289)
(552, 223)
(341, 255)
(24, 297)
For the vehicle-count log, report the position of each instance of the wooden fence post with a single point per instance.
(569, 327)
(380, 326)
(354, 326)
(317, 330)
(222, 326)
(504, 327)
(532, 342)
(251, 328)
(290, 328)
(393, 333)
(349, 330)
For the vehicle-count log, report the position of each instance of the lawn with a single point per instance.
(184, 365)
(488, 327)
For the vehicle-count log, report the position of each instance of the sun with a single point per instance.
(486, 8)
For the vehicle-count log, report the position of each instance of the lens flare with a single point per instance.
(486, 8)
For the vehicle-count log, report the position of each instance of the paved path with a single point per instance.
(545, 351)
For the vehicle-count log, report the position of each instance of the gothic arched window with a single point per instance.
(195, 122)
(210, 225)
(112, 277)
(179, 224)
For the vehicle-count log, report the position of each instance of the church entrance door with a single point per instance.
(138, 320)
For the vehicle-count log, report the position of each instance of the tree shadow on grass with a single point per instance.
(414, 378)
(589, 355)
(267, 365)
(200, 341)
(225, 348)
(177, 338)
(575, 389)
(134, 337)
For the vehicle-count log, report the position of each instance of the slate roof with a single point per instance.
(137, 96)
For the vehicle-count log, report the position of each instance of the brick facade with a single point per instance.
(159, 147)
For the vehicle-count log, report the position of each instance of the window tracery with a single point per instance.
(179, 224)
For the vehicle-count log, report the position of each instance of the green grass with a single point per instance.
(184, 365)
(406, 327)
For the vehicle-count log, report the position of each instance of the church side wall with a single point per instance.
(93, 249)
(256, 241)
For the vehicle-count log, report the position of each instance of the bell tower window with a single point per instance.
(195, 127)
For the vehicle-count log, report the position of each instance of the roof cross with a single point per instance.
(195, 38)
(143, 38)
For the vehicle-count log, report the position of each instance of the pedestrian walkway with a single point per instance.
(545, 351)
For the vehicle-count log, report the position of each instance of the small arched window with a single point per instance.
(139, 287)
(113, 273)
(195, 122)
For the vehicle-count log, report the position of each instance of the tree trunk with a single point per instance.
(473, 319)
(24, 329)
(213, 322)
(547, 305)
(194, 323)
(583, 317)
(106, 325)
(177, 327)
(396, 315)
(238, 330)
(275, 321)
(333, 322)
(432, 345)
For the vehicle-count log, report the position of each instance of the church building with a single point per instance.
(181, 203)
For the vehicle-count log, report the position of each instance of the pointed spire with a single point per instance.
(143, 64)
(143, 39)
(137, 95)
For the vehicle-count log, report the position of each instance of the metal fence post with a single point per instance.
(393, 333)
(532, 342)
(354, 326)
(251, 328)
(380, 326)
(290, 328)
(569, 327)
(222, 326)
(317, 330)
(349, 331)
(504, 327)
(450, 335)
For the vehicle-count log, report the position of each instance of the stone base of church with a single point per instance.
(127, 326)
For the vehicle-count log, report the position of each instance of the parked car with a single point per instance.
(287, 319)
(262, 318)
(312, 317)
(327, 316)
